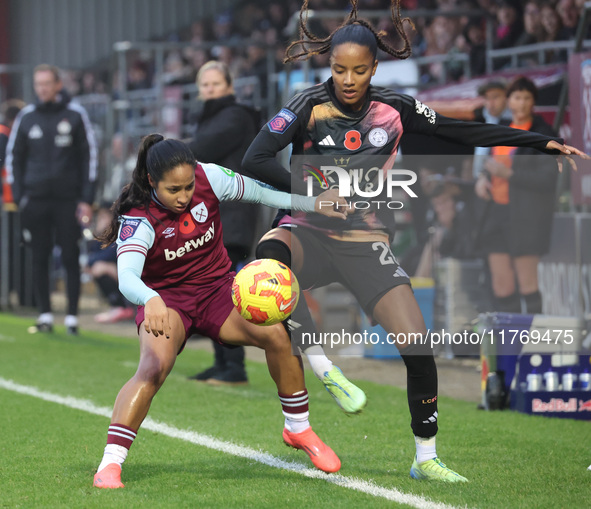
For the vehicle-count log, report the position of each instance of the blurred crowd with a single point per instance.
(266, 23)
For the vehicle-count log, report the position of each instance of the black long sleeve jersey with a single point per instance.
(330, 141)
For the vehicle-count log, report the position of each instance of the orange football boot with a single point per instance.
(322, 456)
(109, 477)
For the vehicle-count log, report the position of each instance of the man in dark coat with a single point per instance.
(52, 165)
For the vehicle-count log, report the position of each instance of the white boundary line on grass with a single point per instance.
(236, 450)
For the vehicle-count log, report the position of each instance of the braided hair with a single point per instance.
(350, 31)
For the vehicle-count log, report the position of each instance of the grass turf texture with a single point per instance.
(49, 452)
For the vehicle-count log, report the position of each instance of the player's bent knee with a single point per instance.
(154, 369)
(271, 337)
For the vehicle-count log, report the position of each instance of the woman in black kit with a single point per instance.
(355, 128)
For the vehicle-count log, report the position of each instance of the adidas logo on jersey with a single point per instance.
(327, 142)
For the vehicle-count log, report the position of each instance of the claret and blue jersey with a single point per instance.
(185, 248)
(158, 248)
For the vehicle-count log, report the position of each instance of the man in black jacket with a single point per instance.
(51, 164)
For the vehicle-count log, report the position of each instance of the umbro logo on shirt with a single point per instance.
(327, 142)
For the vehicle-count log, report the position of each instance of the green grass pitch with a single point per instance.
(49, 452)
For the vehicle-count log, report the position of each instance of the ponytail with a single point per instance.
(135, 194)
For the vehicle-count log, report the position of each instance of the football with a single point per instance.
(265, 292)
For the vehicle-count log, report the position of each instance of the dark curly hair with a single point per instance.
(310, 45)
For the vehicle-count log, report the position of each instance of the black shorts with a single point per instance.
(501, 233)
(494, 236)
(368, 270)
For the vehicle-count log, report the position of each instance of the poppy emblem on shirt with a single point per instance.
(200, 213)
(186, 223)
(128, 228)
(352, 140)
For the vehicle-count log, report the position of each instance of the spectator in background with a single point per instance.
(521, 186)
(122, 162)
(553, 31)
(509, 29)
(569, 15)
(102, 266)
(509, 26)
(440, 36)
(532, 24)
(476, 42)
(256, 61)
(176, 70)
(138, 76)
(450, 233)
(8, 113)
(224, 131)
(199, 32)
(492, 111)
(54, 133)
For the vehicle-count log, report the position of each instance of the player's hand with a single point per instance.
(330, 204)
(156, 318)
(567, 151)
(482, 188)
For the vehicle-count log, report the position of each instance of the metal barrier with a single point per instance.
(540, 51)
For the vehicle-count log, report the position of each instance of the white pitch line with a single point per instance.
(234, 449)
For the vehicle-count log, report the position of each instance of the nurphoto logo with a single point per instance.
(357, 183)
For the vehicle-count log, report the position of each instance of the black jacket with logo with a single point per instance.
(51, 152)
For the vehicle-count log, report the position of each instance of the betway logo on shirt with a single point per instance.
(190, 245)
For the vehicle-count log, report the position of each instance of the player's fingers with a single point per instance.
(559, 161)
(150, 327)
(576, 151)
(336, 213)
(166, 326)
(160, 326)
(344, 205)
(572, 163)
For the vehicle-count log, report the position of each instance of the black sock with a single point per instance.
(533, 302)
(510, 304)
(421, 388)
(274, 249)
